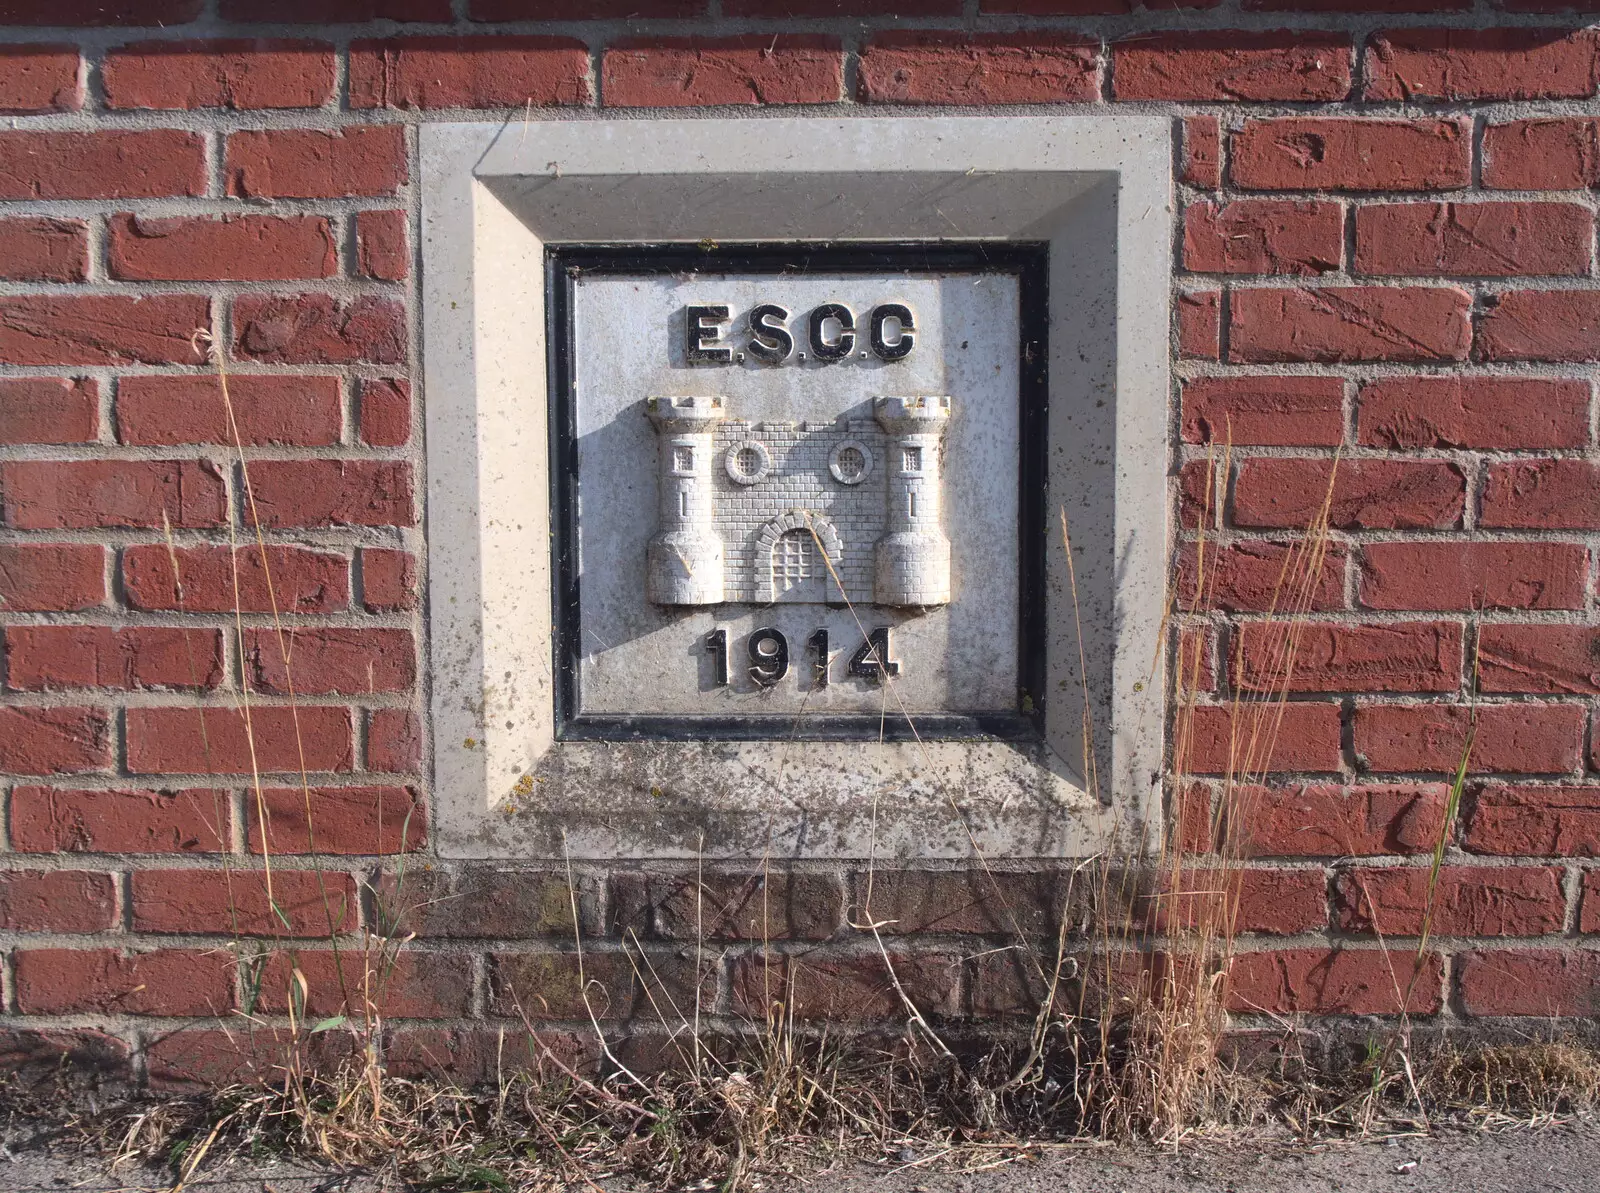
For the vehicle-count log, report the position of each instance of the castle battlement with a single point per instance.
(684, 415)
(912, 415)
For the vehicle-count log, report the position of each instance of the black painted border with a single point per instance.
(1029, 261)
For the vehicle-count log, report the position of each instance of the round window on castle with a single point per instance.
(850, 462)
(747, 462)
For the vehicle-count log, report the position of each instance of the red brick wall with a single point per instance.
(1387, 246)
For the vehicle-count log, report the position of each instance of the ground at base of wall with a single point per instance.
(1559, 1159)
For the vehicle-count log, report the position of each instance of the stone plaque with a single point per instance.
(797, 493)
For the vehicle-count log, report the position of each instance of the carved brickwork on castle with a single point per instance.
(799, 480)
(744, 506)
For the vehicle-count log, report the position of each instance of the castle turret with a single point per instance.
(913, 557)
(685, 564)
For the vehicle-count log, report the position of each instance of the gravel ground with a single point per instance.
(1564, 1158)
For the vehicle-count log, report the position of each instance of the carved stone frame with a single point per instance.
(1096, 187)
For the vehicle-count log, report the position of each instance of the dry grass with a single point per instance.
(1126, 1044)
(788, 1104)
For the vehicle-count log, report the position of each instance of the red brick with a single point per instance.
(1337, 324)
(1328, 821)
(394, 741)
(36, 249)
(1202, 152)
(312, 164)
(1492, 413)
(1589, 914)
(469, 72)
(1542, 495)
(1340, 981)
(56, 901)
(415, 985)
(381, 250)
(318, 12)
(1075, 8)
(1510, 738)
(1468, 576)
(49, 410)
(1380, 6)
(47, 1054)
(1229, 739)
(388, 580)
(1540, 155)
(1263, 236)
(570, 10)
(922, 67)
(238, 248)
(319, 329)
(1202, 489)
(100, 12)
(826, 8)
(215, 741)
(1539, 658)
(66, 820)
(1312, 153)
(978, 901)
(39, 78)
(1293, 65)
(1535, 821)
(1461, 64)
(1195, 669)
(46, 741)
(753, 69)
(104, 981)
(276, 411)
(516, 904)
(1200, 324)
(1276, 901)
(774, 905)
(333, 492)
(76, 494)
(344, 820)
(1367, 494)
(1416, 656)
(1474, 239)
(546, 985)
(1281, 902)
(1541, 325)
(385, 411)
(124, 164)
(1258, 577)
(324, 661)
(1538, 982)
(483, 1057)
(194, 1059)
(51, 577)
(1467, 901)
(302, 580)
(1270, 411)
(1192, 817)
(843, 989)
(1010, 987)
(41, 658)
(41, 329)
(218, 74)
(237, 902)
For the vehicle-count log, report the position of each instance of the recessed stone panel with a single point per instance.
(751, 518)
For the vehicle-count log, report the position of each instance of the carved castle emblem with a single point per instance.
(744, 507)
